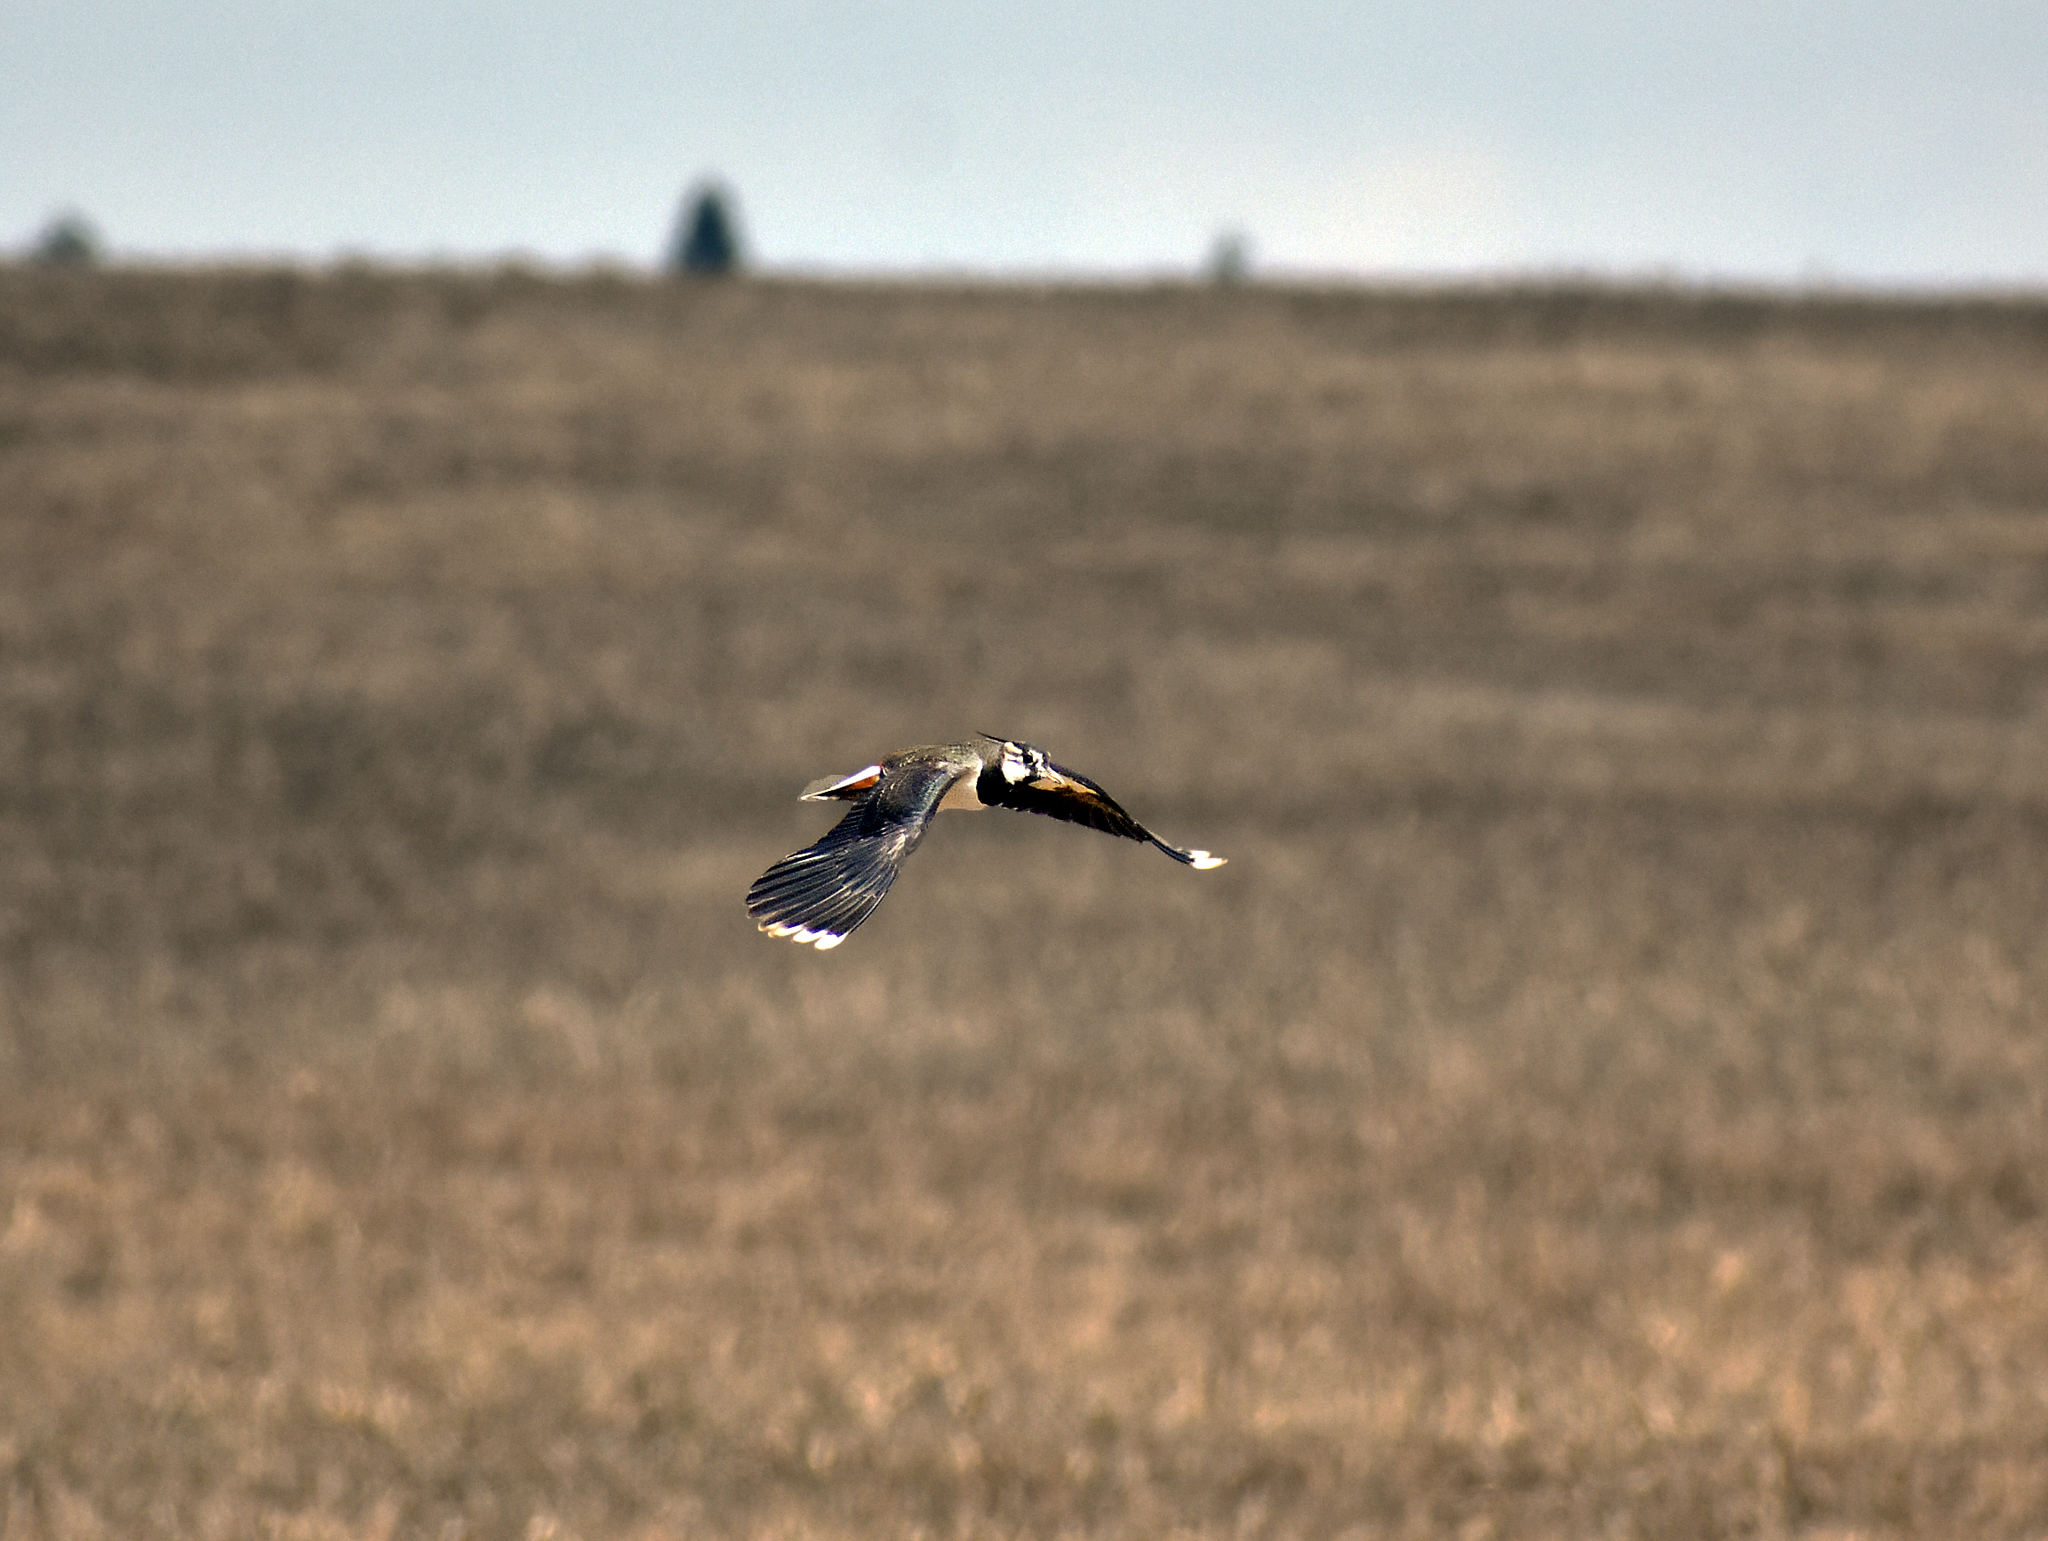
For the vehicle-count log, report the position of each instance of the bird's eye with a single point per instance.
(1021, 762)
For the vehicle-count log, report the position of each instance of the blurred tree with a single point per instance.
(707, 233)
(1230, 258)
(68, 241)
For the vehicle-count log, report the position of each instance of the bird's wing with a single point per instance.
(1078, 800)
(823, 892)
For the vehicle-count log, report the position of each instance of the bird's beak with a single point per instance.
(1053, 781)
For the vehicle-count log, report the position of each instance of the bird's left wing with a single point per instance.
(822, 893)
(1073, 797)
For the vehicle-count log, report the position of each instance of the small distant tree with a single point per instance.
(707, 238)
(68, 241)
(1230, 258)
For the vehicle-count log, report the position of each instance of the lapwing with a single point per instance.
(822, 893)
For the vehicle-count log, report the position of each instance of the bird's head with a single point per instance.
(1025, 764)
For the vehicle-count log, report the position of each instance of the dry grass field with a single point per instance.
(1606, 1095)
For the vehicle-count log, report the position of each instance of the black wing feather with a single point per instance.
(1093, 807)
(1083, 803)
(823, 892)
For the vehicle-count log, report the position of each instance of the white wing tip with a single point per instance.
(1202, 861)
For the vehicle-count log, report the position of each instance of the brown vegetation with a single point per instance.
(1603, 1096)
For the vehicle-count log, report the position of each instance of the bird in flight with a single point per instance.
(823, 892)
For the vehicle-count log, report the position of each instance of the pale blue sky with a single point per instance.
(1881, 143)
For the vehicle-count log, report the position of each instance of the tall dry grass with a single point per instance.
(1603, 1095)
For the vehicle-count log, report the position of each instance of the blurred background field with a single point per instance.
(1603, 1095)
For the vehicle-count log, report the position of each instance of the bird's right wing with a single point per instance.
(822, 893)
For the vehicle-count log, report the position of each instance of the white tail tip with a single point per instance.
(820, 790)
